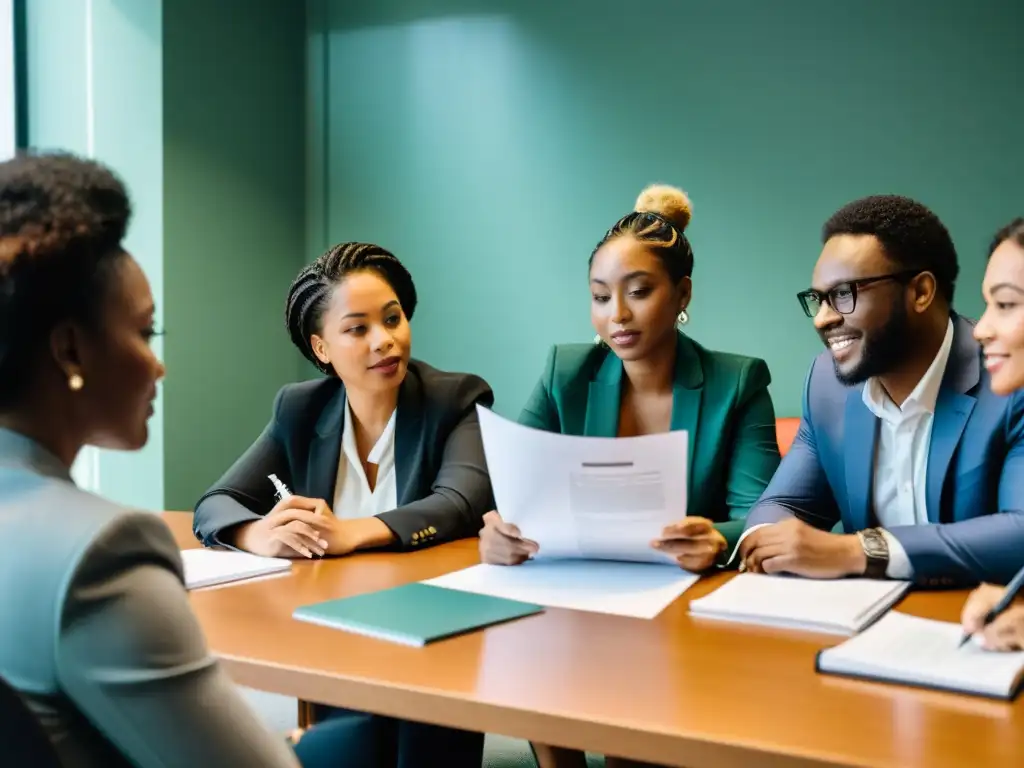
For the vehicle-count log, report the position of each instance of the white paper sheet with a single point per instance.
(586, 497)
(642, 590)
(208, 567)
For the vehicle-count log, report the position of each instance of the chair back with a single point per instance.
(785, 432)
(22, 739)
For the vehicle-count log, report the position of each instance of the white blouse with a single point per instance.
(352, 495)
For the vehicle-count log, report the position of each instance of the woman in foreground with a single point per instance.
(99, 638)
(1001, 333)
(643, 376)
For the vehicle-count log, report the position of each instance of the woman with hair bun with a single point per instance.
(382, 452)
(643, 375)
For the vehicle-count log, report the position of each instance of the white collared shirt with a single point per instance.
(901, 455)
(352, 495)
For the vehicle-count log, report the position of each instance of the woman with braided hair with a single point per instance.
(382, 452)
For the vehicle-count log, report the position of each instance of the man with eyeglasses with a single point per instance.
(906, 465)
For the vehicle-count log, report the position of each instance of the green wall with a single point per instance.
(234, 225)
(94, 86)
(491, 143)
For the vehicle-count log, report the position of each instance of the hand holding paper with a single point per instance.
(694, 543)
(502, 543)
(582, 497)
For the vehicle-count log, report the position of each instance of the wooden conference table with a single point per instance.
(675, 690)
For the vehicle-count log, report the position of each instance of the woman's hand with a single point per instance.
(501, 543)
(304, 527)
(694, 542)
(1006, 633)
(295, 527)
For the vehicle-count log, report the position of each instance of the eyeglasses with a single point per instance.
(843, 297)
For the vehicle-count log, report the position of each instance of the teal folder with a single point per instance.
(414, 614)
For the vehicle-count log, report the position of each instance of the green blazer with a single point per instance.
(722, 400)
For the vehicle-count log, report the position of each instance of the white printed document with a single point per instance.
(207, 567)
(906, 649)
(592, 498)
(837, 606)
(642, 590)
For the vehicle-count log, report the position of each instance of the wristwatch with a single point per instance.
(876, 548)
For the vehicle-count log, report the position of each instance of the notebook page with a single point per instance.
(839, 605)
(206, 567)
(923, 651)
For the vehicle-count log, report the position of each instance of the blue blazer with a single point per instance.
(975, 480)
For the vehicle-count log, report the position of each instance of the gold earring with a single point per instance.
(75, 382)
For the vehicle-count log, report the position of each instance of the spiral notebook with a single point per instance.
(905, 649)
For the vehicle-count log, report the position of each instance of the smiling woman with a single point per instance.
(383, 452)
(1001, 328)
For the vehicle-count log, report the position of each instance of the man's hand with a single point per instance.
(1006, 632)
(694, 543)
(501, 543)
(795, 547)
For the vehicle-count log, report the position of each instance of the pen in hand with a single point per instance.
(1012, 590)
(282, 492)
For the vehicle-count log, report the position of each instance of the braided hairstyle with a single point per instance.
(311, 291)
(658, 220)
(62, 219)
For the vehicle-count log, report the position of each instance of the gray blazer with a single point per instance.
(98, 634)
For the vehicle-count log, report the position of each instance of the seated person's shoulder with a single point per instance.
(570, 365)
(303, 401)
(744, 370)
(450, 390)
(97, 534)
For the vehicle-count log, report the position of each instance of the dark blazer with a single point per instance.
(720, 399)
(443, 486)
(975, 470)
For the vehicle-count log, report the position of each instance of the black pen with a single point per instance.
(1012, 589)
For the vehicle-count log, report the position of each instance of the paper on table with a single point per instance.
(207, 567)
(918, 651)
(642, 590)
(841, 606)
(586, 497)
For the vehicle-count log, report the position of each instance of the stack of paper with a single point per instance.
(839, 606)
(642, 590)
(907, 649)
(206, 567)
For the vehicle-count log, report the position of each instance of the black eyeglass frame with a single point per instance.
(828, 297)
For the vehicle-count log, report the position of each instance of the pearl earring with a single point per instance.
(75, 382)
(683, 318)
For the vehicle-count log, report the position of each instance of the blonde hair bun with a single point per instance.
(671, 203)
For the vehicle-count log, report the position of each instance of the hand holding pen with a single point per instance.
(991, 611)
(293, 528)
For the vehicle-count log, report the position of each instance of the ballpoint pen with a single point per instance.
(1012, 590)
(282, 491)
